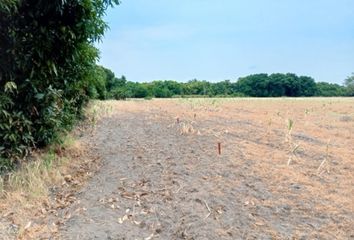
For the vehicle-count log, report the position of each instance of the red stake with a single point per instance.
(219, 148)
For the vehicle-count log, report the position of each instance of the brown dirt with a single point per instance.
(162, 177)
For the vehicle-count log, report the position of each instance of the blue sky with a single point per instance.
(227, 39)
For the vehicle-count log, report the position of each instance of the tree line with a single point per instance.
(256, 85)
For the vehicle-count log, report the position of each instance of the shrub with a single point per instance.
(47, 61)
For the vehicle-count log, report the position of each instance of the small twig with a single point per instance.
(289, 161)
(322, 163)
(163, 189)
(206, 204)
(179, 189)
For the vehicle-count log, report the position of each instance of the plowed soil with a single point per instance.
(284, 171)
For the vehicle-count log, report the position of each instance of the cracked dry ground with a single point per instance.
(165, 180)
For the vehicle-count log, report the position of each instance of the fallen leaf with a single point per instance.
(260, 223)
(8, 214)
(149, 237)
(28, 225)
(68, 178)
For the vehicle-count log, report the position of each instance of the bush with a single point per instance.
(47, 64)
(119, 94)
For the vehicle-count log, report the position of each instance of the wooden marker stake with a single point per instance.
(177, 120)
(219, 148)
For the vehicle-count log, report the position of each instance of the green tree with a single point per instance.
(98, 83)
(196, 87)
(223, 88)
(276, 86)
(349, 83)
(307, 86)
(325, 89)
(47, 57)
(110, 78)
(255, 85)
(291, 85)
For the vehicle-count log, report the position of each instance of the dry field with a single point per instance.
(285, 171)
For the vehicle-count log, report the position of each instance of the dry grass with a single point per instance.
(311, 194)
(26, 194)
(258, 131)
(187, 128)
(32, 179)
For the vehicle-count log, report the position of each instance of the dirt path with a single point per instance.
(165, 180)
(154, 183)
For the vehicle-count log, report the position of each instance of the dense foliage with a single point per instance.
(325, 89)
(349, 83)
(257, 85)
(47, 69)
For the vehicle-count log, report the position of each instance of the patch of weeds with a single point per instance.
(2, 186)
(49, 159)
(6, 165)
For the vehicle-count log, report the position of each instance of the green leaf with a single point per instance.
(10, 87)
(55, 69)
(39, 96)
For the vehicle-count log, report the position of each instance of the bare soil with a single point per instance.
(285, 171)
